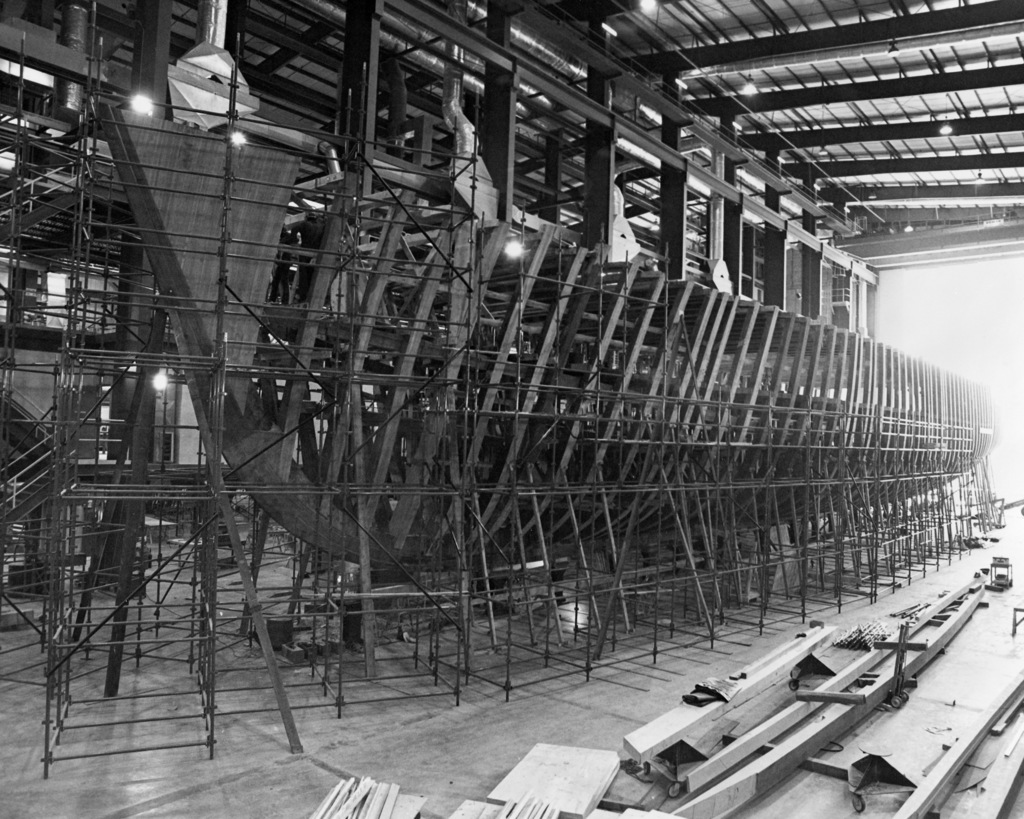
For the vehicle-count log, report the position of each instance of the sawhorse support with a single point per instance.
(1018, 618)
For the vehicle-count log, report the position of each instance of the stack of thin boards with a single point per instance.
(528, 807)
(358, 799)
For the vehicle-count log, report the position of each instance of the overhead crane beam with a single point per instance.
(1000, 77)
(820, 137)
(931, 164)
(819, 40)
(917, 195)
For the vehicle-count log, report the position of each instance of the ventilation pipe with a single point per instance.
(212, 22)
(451, 100)
(74, 34)
(331, 155)
(410, 38)
(398, 97)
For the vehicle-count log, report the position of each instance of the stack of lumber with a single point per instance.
(863, 637)
(528, 806)
(358, 799)
(562, 781)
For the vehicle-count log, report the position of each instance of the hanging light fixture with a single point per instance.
(945, 129)
(141, 104)
(649, 6)
(749, 88)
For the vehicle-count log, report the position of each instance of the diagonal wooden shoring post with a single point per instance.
(259, 542)
(517, 533)
(592, 613)
(690, 558)
(800, 532)
(620, 567)
(704, 511)
(618, 555)
(213, 465)
(484, 569)
(548, 567)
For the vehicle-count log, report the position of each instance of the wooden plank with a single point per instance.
(633, 813)
(831, 722)
(571, 779)
(472, 809)
(689, 721)
(334, 798)
(848, 697)
(924, 797)
(390, 801)
(998, 794)
(408, 806)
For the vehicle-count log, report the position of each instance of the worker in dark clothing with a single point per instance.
(281, 284)
(311, 234)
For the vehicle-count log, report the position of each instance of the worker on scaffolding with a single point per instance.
(281, 284)
(311, 235)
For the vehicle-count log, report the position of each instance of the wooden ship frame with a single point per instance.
(524, 444)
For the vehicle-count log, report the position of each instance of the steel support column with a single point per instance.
(499, 114)
(357, 91)
(599, 160)
(810, 304)
(732, 216)
(548, 206)
(746, 278)
(152, 50)
(673, 196)
(234, 37)
(774, 248)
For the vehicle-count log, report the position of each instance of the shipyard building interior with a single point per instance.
(511, 409)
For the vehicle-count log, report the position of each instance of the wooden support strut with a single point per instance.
(755, 778)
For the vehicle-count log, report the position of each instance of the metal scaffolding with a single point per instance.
(421, 463)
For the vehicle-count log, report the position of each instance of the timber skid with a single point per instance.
(444, 466)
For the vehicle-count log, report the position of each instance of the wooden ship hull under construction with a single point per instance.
(499, 410)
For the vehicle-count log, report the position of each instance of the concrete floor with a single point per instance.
(449, 754)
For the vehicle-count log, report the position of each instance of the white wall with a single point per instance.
(968, 319)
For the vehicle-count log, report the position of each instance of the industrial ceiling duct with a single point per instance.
(451, 99)
(212, 22)
(74, 34)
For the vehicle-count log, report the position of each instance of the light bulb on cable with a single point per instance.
(141, 104)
